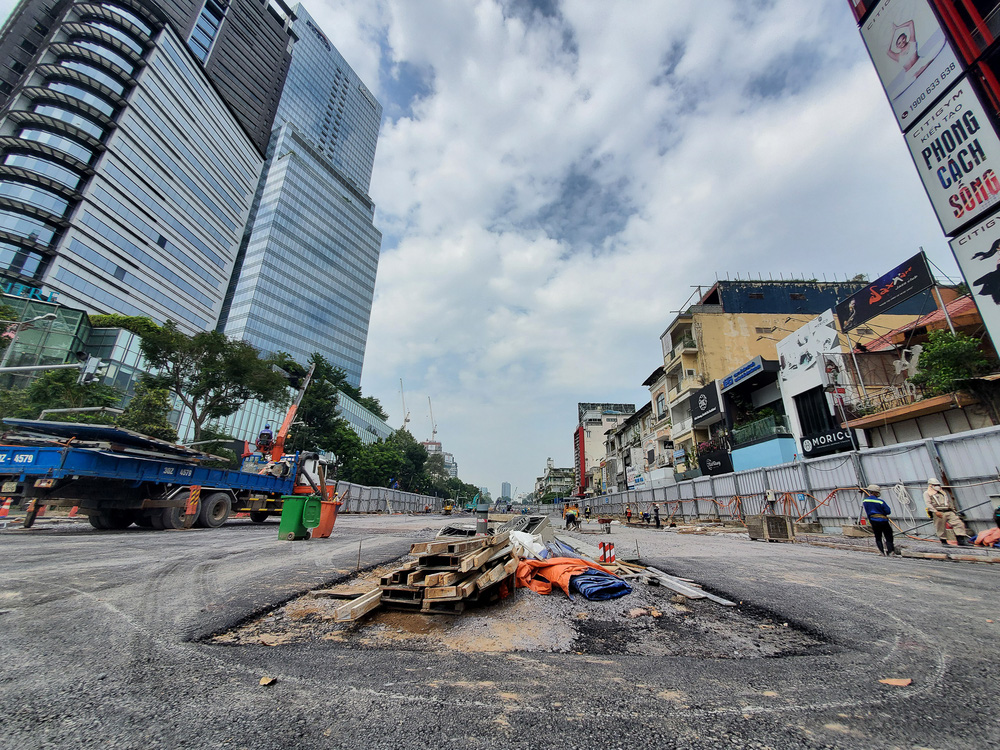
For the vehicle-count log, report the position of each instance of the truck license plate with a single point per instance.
(9, 487)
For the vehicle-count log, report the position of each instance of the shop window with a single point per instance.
(814, 411)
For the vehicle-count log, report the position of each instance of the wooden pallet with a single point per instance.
(448, 574)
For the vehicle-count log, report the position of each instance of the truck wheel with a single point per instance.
(111, 519)
(214, 511)
(259, 516)
(119, 519)
(173, 518)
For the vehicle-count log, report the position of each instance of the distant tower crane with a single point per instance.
(406, 418)
(434, 427)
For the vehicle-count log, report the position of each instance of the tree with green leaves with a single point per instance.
(58, 389)
(318, 424)
(210, 374)
(412, 476)
(140, 325)
(149, 412)
(946, 359)
(373, 405)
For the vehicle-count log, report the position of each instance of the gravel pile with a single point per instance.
(651, 620)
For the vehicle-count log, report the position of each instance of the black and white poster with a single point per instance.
(977, 251)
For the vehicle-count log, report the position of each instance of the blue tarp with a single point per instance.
(598, 586)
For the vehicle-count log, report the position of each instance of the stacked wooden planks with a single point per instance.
(447, 574)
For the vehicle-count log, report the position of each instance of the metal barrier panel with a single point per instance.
(972, 464)
(725, 496)
(752, 486)
(704, 498)
(786, 477)
(827, 475)
(906, 462)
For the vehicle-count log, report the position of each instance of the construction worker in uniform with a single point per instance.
(878, 513)
(265, 440)
(941, 508)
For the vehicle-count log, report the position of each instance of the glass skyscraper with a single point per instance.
(125, 179)
(306, 271)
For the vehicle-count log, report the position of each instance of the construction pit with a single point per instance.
(653, 619)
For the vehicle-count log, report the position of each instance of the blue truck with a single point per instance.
(118, 477)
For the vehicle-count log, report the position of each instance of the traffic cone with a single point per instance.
(5, 509)
(73, 511)
(41, 511)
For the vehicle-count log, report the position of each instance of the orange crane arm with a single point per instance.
(278, 448)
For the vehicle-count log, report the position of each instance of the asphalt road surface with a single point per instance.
(103, 645)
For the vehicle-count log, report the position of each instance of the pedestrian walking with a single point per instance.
(628, 515)
(941, 507)
(878, 514)
(656, 514)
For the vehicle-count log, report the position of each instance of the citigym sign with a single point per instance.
(952, 148)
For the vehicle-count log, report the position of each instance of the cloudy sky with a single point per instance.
(554, 178)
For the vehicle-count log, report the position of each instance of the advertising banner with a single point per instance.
(952, 148)
(737, 376)
(716, 462)
(706, 404)
(887, 291)
(800, 354)
(911, 55)
(977, 251)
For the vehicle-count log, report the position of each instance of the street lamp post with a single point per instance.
(17, 329)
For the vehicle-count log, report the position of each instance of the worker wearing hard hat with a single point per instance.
(942, 509)
(878, 513)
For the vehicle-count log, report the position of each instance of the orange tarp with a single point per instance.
(984, 539)
(539, 575)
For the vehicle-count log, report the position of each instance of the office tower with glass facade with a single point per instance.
(126, 171)
(306, 276)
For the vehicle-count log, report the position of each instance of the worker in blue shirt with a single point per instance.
(878, 512)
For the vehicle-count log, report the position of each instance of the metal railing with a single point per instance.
(762, 428)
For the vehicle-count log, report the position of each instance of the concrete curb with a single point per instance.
(913, 555)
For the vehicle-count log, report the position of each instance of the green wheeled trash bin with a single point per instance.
(299, 513)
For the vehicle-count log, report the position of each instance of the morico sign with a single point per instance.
(821, 443)
(904, 281)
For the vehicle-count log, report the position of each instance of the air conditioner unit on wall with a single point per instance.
(771, 528)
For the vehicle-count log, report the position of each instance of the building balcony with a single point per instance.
(682, 389)
(907, 408)
(760, 430)
(685, 346)
(682, 427)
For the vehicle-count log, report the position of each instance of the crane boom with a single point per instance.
(434, 427)
(278, 449)
(406, 414)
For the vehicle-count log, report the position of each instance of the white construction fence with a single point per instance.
(825, 490)
(357, 498)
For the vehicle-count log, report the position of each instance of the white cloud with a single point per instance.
(768, 148)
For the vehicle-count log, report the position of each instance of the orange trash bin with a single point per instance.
(327, 517)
